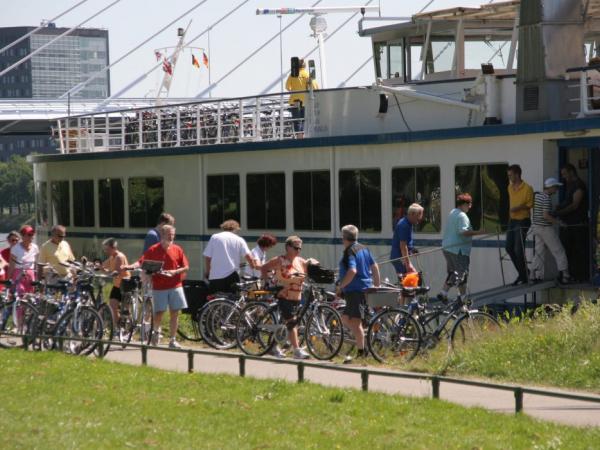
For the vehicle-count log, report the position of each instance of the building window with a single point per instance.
(360, 199)
(41, 200)
(487, 184)
(222, 198)
(111, 200)
(83, 203)
(61, 200)
(266, 201)
(312, 201)
(146, 201)
(417, 185)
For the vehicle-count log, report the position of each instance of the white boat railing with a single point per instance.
(247, 119)
(589, 89)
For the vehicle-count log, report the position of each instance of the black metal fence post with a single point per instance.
(242, 361)
(435, 387)
(518, 400)
(190, 356)
(300, 372)
(144, 356)
(364, 378)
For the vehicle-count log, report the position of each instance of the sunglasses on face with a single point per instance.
(296, 248)
(13, 241)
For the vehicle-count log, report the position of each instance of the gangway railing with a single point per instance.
(224, 121)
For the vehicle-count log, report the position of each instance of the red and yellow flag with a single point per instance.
(195, 62)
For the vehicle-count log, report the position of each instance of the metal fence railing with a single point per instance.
(365, 373)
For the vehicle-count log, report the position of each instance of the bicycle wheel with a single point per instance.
(19, 318)
(255, 329)
(127, 319)
(189, 327)
(472, 327)
(108, 328)
(145, 322)
(393, 334)
(82, 324)
(210, 321)
(324, 332)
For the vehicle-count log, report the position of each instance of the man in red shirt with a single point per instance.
(167, 288)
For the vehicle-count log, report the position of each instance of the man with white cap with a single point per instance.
(545, 235)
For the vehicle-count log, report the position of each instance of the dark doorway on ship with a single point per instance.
(582, 155)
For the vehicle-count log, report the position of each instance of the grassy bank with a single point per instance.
(562, 351)
(15, 221)
(71, 402)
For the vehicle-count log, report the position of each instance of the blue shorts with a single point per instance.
(399, 267)
(174, 299)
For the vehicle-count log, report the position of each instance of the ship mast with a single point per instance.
(165, 86)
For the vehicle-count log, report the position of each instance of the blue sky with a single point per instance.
(132, 21)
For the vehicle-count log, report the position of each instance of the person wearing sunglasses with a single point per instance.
(290, 269)
(56, 251)
(23, 256)
(13, 239)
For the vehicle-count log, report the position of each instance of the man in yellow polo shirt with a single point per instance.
(520, 195)
(300, 83)
(56, 250)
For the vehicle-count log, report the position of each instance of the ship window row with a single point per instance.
(145, 196)
(360, 194)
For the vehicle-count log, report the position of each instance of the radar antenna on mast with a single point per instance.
(318, 25)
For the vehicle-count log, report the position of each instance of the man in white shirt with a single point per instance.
(223, 255)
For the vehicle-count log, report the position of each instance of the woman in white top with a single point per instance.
(259, 254)
(23, 257)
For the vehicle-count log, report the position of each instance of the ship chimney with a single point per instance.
(551, 40)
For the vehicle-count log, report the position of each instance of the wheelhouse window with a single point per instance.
(111, 199)
(360, 199)
(417, 185)
(41, 201)
(487, 184)
(60, 196)
(266, 201)
(222, 199)
(312, 201)
(146, 201)
(83, 203)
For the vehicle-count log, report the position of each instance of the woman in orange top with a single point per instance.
(114, 264)
(290, 270)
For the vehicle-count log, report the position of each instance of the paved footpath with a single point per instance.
(570, 412)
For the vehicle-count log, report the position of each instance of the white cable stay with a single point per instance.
(25, 36)
(251, 55)
(69, 31)
(191, 41)
(95, 75)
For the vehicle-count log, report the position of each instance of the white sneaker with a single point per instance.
(277, 352)
(174, 344)
(299, 353)
(155, 338)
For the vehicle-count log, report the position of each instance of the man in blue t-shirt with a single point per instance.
(358, 272)
(153, 236)
(402, 241)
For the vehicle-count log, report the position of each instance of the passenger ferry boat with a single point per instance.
(459, 95)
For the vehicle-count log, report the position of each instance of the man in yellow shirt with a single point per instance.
(520, 196)
(56, 251)
(300, 83)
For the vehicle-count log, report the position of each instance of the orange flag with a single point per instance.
(195, 62)
(205, 59)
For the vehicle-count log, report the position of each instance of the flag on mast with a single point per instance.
(205, 59)
(195, 61)
(167, 67)
(158, 55)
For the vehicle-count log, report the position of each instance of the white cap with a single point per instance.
(550, 182)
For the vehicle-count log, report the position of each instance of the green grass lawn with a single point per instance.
(562, 351)
(51, 400)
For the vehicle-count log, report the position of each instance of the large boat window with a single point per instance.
(396, 61)
(41, 202)
(60, 196)
(222, 199)
(442, 54)
(486, 51)
(488, 185)
(146, 201)
(312, 201)
(83, 203)
(111, 202)
(265, 197)
(417, 185)
(360, 199)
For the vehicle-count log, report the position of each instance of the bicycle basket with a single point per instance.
(319, 275)
(383, 297)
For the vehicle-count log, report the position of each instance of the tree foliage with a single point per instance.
(16, 184)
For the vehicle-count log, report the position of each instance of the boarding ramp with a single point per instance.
(502, 295)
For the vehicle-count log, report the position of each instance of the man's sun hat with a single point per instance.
(551, 182)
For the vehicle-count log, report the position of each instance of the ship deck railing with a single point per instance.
(208, 122)
(588, 89)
